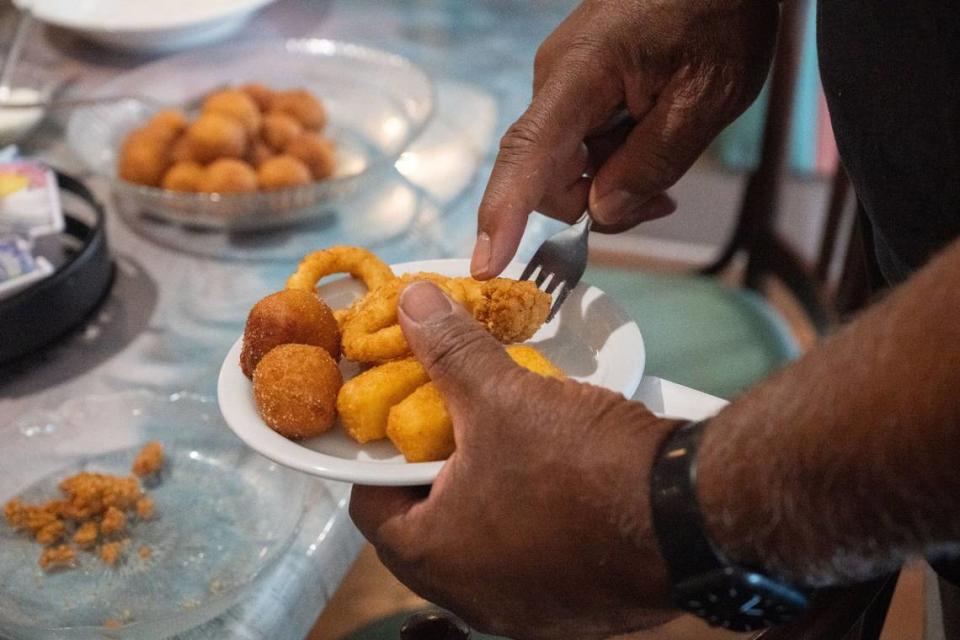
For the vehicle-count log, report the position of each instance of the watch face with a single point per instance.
(739, 600)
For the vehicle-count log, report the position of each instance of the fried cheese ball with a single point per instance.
(261, 94)
(258, 152)
(143, 158)
(183, 176)
(302, 105)
(315, 151)
(295, 388)
(214, 136)
(364, 401)
(279, 129)
(419, 425)
(283, 171)
(284, 317)
(167, 124)
(228, 175)
(235, 104)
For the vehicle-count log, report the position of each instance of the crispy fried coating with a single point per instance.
(112, 552)
(279, 129)
(235, 104)
(57, 557)
(364, 401)
(511, 310)
(288, 317)
(181, 151)
(86, 534)
(280, 172)
(302, 105)
(419, 425)
(183, 176)
(143, 158)
(258, 152)
(214, 135)
(167, 124)
(261, 94)
(228, 175)
(360, 263)
(295, 387)
(315, 151)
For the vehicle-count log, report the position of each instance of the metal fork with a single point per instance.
(560, 262)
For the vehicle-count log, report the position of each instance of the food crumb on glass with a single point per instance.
(145, 508)
(57, 557)
(112, 623)
(112, 552)
(144, 552)
(149, 460)
(86, 534)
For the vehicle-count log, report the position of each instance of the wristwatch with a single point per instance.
(704, 582)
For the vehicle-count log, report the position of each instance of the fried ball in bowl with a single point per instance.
(315, 151)
(183, 176)
(181, 151)
(228, 175)
(143, 158)
(235, 104)
(295, 387)
(214, 136)
(280, 172)
(302, 105)
(288, 316)
(279, 129)
(167, 124)
(261, 94)
(258, 152)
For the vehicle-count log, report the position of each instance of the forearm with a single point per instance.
(839, 466)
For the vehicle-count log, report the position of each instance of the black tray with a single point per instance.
(47, 310)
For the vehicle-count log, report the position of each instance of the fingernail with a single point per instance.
(613, 206)
(425, 303)
(481, 254)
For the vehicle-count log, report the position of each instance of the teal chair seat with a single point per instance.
(699, 332)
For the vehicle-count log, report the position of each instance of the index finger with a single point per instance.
(549, 131)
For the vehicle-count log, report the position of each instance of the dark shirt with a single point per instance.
(891, 76)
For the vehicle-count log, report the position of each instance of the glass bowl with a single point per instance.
(376, 102)
(223, 515)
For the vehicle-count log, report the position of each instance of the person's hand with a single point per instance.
(680, 70)
(538, 525)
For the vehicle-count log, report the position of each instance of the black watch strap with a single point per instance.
(677, 519)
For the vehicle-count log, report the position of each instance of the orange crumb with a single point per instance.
(55, 557)
(111, 552)
(145, 508)
(144, 552)
(114, 521)
(112, 623)
(86, 534)
(149, 460)
(51, 533)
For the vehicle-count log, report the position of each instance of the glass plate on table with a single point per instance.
(376, 103)
(223, 515)
(591, 338)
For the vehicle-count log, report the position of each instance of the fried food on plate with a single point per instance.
(143, 158)
(302, 105)
(261, 94)
(510, 310)
(228, 175)
(235, 104)
(315, 151)
(295, 387)
(183, 176)
(214, 136)
(280, 172)
(419, 425)
(360, 263)
(285, 317)
(279, 129)
(364, 402)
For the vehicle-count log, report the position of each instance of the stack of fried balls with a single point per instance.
(245, 139)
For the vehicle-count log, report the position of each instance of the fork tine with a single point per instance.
(556, 282)
(529, 269)
(543, 275)
(558, 300)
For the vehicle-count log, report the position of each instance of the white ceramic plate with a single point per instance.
(592, 339)
(147, 27)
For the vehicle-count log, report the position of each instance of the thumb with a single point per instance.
(460, 356)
